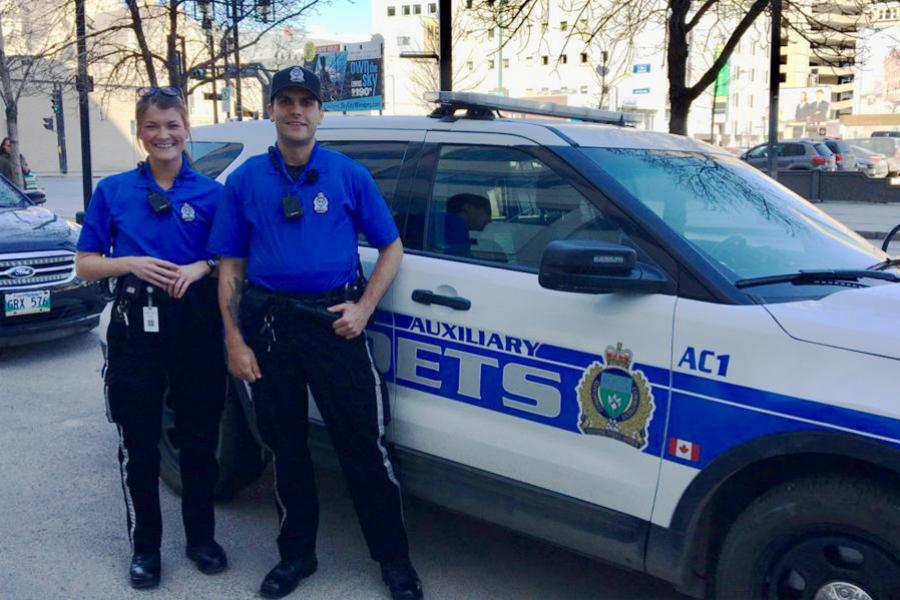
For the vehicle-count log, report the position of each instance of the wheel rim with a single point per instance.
(831, 568)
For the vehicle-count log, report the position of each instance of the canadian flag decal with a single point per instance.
(684, 449)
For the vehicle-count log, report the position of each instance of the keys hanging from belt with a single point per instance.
(268, 330)
(122, 311)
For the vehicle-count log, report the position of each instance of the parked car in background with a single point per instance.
(888, 146)
(895, 134)
(42, 297)
(870, 162)
(844, 157)
(793, 155)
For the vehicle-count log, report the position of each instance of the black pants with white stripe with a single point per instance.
(186, 358)
(301, 351)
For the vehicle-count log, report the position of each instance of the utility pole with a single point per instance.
(60, 129)
(238, 105)
(774, 84)
(445, 27)
(83, 84)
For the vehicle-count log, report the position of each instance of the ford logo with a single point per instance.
(21, 272)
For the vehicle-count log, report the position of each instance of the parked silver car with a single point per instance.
(870, 162)
(888, 146)
(793, 155)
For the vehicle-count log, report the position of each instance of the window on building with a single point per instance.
(584, 89)
(406, 9)
(563, 59)
(529, 91)
(545, 60)
(545, 27)
(491, 64)
(750, 101)
(736, 101)
(528, 59)
(470, 65)
(432, 8)
(752, 75)
(584, 24)
(490, 34)
(417, 9)
(403, 40)
(563, 25)
(505, 63)
(584, 57)
(392, 10)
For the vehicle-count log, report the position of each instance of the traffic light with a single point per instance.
(56, 102)
(48, 123)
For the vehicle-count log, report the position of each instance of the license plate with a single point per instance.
(26, 303)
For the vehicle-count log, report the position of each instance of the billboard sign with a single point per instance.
(804, 105)
(352, 78)
(876, 82)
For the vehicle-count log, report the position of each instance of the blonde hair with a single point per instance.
(162, 102)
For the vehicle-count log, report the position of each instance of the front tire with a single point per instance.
(817, 538)
(241, 459)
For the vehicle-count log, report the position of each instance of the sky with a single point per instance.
(343, 18)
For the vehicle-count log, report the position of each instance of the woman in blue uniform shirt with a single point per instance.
(149, 227)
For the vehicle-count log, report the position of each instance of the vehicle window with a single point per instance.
(823, 150)
(212, 158)
(9, 197)
(502, 205)
(746, 224)
(793, 150)
(759, 152)
(383, 159)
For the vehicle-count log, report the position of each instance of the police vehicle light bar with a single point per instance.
(480, 103)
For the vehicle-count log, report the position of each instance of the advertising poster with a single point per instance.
(876, 82)
(807, 105)
(351, 78)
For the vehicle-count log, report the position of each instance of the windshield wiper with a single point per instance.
(885, 264)
(814, 277)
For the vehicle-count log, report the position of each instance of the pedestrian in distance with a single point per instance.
(149, 228)
(290, 225)
(6, 152)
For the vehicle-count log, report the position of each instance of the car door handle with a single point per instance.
(429, 297)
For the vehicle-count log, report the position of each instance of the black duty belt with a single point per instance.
(313, 304)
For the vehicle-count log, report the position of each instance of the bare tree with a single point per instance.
(681, 23)
(30, 59)
(178, 37)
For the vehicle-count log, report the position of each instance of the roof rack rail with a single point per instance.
(483, 106)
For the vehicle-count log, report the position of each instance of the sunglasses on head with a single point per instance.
(168, 90)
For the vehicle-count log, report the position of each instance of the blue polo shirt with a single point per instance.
(120, 221)
(312, 253)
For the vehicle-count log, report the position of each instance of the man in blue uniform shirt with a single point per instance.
(290, 226)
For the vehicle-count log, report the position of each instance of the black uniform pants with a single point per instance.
(296, 350)
(183, 363)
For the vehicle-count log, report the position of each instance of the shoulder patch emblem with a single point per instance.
(187, 213)
(320, 203)
(616, 401)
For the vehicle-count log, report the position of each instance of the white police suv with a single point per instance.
(628, 343)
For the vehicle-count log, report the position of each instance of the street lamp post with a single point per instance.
(774, 84)
(82, 84)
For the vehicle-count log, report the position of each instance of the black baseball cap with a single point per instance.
(298, 77)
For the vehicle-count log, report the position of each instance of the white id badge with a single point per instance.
(151, 319)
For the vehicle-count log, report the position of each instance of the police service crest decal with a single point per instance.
(320, 203)
(297, 75)
(616, 401)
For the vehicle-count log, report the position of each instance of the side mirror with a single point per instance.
(36, 196)
(590, 267)
(79, 217)
(889, 238)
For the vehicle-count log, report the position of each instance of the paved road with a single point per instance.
(62, 523)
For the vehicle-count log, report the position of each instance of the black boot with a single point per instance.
(144, 571)
(209, 557)
(287, 575)
(402, 579)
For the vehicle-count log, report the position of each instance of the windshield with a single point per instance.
(211, 158)
(9, 197)
(746, 224)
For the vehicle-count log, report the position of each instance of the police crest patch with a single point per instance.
(320, 203)
(615, 400)
(297, 75)
(187, 213)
